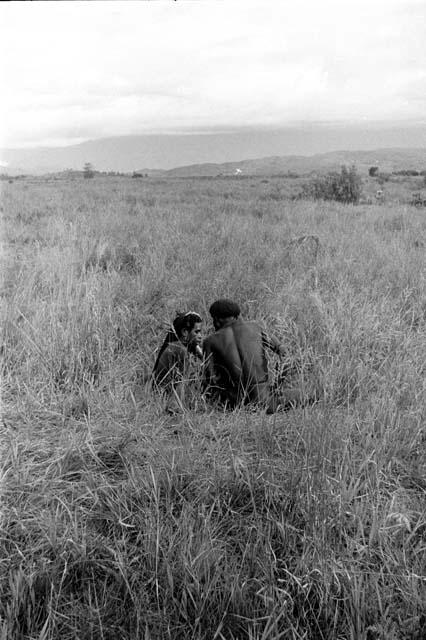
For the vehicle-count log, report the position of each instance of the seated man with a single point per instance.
(236, 368)
(172, 368)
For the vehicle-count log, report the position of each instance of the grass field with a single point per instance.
(120, 522)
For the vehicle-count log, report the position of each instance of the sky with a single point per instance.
(74, 71)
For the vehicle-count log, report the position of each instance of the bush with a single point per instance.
(406, 172)
(372, 172)
(345, 186)
(383, 177)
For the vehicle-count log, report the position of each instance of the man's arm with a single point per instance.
(170, 367)
(273, 344)
(208, 376)
(284, 370)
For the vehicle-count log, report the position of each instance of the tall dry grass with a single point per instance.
(120, 522)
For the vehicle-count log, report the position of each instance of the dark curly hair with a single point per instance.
(224, 308)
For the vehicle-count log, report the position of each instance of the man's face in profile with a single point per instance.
(194, 337)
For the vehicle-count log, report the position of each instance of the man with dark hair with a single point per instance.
(236, 367)
(171, 374)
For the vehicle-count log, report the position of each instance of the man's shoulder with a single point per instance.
(248, 325)
(174, 350)
(252, 323)
(177, 347)
(216, 337)
(239, 325)
(211, 339)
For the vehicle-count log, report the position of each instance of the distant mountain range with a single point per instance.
(298, 150)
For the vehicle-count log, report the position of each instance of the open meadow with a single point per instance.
(119, 521)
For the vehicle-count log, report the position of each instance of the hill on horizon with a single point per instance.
(386, 159)
(302, 147)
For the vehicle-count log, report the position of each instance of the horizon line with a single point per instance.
(231, 130)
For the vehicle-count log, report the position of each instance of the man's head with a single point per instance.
(188, 329)
(222, 311)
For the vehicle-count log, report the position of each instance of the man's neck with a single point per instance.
(226, 322)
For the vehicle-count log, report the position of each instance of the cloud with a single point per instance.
(110, 68)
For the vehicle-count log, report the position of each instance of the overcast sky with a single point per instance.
(73, 71)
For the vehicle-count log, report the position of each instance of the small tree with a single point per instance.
(88, 171)
(373, 171)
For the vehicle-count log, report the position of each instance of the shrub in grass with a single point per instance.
(345, 186)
